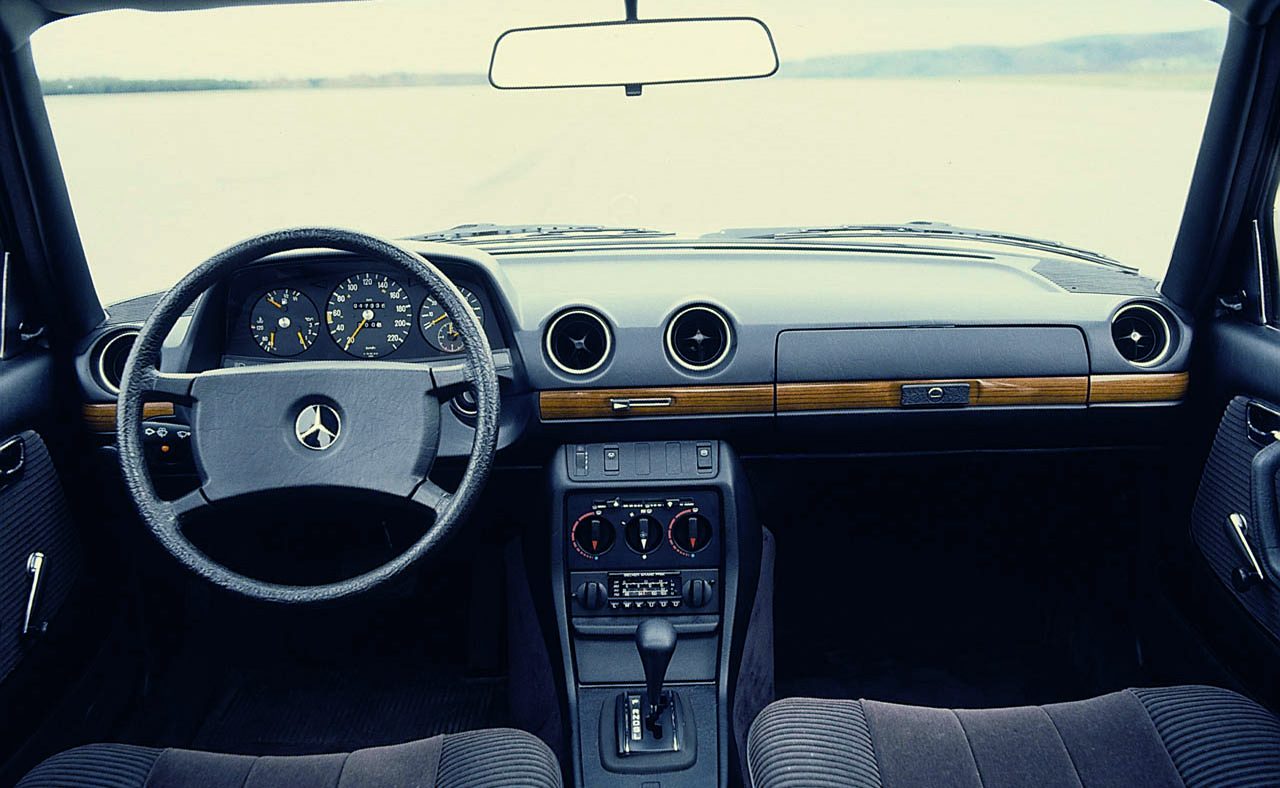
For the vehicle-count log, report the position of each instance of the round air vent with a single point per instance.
(1141, 334)
(699, 338)
(578, 341)
(112, 352)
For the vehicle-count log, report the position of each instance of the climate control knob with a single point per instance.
(697, 592)
(690, 532)
(591, 595)
(593, 535)
(643, 534)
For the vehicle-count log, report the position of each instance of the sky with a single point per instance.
(430, 36)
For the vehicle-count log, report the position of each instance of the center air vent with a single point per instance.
(110, 356)
(578, 341)
(1141, 335)
(699, 338)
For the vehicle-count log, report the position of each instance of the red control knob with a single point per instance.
(690, 532)
(593, 535)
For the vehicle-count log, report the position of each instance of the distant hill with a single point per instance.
(1183, 52)
(62, 87)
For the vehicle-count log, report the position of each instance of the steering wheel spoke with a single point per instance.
(184, 505)
(432, 496)
(449, 381)
(168, 386)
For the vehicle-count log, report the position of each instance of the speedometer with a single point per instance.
(437, 325)
(369, 315)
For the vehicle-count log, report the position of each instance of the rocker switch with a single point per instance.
(705, 457)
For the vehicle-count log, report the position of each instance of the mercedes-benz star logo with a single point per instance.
(317, 427)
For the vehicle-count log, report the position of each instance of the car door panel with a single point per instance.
(1240, 478)
(39, 548)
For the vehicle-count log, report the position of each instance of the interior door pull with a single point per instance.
(1250, 574)
(13, 457)
(35, 568)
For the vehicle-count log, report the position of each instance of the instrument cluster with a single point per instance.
(332, 310)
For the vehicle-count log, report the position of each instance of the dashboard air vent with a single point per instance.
(1141, 335)
(578, 341)
(110, 356)
(699, 338)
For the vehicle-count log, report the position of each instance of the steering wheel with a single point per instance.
(334, 426)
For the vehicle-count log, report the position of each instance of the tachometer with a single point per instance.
(284, 322)
(369, 315)
(437, 325)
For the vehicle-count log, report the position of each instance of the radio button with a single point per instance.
(698, 592)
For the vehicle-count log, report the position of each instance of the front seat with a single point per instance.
(1177, 736)
(476, 759)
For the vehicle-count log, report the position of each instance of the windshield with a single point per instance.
(181, 133)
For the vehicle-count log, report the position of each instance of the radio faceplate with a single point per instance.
(687, 592)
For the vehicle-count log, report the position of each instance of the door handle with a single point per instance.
(1248, 574)
(35, 568)
(1265, 517)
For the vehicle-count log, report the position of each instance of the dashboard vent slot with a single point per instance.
(699, 338)
(1141, 334)
(578, 341)
(110, 356)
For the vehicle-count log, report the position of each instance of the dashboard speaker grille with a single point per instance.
(699, 338)
(110, 357)
(578, 341)
(1140, 334)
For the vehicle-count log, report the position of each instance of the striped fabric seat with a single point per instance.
(1198, 737)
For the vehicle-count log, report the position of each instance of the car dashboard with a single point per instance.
(784, 349)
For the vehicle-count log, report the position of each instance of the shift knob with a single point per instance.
(656, 642)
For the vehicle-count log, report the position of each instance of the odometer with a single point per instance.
(284, 322)
(369, 315)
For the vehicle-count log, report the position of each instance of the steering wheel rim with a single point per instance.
(142, 378)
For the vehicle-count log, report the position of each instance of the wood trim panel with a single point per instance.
(684, 401)
(1139, 387)
(101, 416)
(857, 395)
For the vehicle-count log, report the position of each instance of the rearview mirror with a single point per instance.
(633, 53)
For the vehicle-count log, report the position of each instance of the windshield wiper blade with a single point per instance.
(917, 230)
(490, 233)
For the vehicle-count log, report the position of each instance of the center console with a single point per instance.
(656, 571)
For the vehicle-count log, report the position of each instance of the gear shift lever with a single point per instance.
(656, 642)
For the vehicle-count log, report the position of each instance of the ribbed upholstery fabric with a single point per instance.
(1197, 737)
(95, 766)
(477, 759)
(496, 757)
(1216, 737)
(803, 741)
